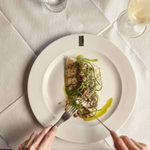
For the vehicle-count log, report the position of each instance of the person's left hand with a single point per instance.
(41, 141)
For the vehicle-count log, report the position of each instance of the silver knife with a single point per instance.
(103, 124)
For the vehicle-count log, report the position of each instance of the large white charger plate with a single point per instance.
(46, 86)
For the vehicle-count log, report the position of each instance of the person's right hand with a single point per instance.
(41, 141)
(125, 143)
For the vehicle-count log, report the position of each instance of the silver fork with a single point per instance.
(66, 115)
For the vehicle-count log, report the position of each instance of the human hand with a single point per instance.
(41, 141)
(125, 143)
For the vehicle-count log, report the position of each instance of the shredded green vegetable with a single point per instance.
(82, 84)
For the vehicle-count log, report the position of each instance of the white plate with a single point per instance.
(46, 86)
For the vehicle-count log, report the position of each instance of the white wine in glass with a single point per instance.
(134, 21)
(139, 11)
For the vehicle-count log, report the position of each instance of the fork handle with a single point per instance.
(59, 122)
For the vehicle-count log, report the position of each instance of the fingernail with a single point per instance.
(114, 134)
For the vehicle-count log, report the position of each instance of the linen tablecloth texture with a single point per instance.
(23, 35)
(26, 28)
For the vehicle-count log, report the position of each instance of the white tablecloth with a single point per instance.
(26, 28)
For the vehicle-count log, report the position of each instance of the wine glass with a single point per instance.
(55, 5)
(134, 21)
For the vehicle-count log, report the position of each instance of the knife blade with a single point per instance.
(106, 127)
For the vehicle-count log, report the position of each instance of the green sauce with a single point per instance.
(102, 111)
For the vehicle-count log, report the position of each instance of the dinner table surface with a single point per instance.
(27, 27)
